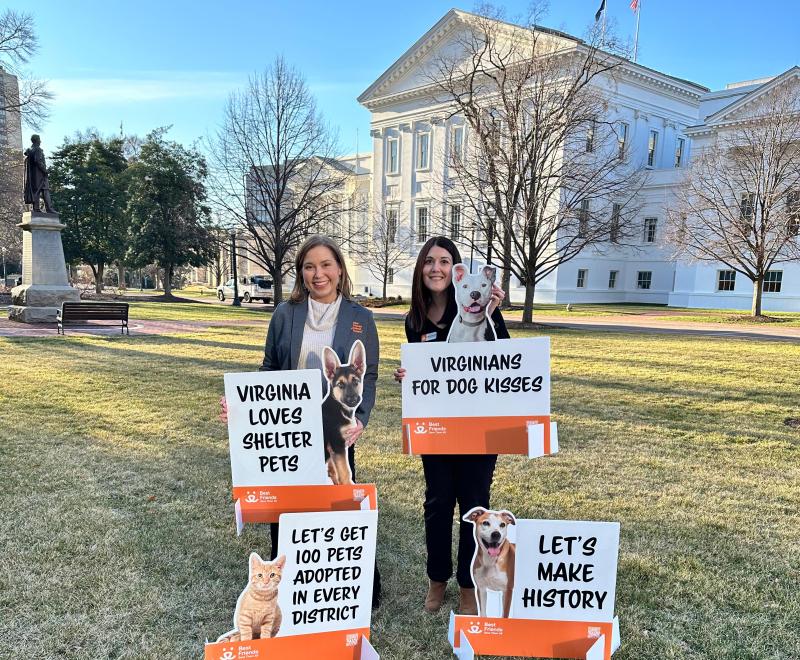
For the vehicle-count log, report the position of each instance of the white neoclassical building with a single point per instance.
(661, 118)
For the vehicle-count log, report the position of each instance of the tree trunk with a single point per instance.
(98, 279)
(506, 286)
(121, 276)
(277, 289)
(758, 289)
(168, 280)
(527, 310)
(384, 287)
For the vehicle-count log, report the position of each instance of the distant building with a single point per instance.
(662, 116)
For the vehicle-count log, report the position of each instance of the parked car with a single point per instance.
(254, 287)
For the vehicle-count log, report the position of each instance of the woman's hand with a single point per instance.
(399, 374)
(353, 433)
(497, 297)
(224, 414)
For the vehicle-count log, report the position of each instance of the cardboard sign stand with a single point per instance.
(339, 645)
(527, 436)
(264, 504)
(472, 636)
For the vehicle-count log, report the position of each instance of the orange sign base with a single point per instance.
(530, 638)
(340, 645)
(264, 504)
(471, 435)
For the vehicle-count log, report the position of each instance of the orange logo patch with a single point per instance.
(357, 327)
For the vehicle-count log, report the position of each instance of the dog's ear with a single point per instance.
(358, 359)
(473, 514)
(508, 517)
(330, 361)
(459, 271)
(490, 272)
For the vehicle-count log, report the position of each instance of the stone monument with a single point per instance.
(44, 272)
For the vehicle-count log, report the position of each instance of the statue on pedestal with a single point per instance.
(44, 285)
(35, 173)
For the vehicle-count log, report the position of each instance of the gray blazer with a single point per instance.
(285, 337)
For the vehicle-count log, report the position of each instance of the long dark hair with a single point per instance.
(299, 292)
(421, 296)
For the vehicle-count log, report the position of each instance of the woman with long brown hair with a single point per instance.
(449, 479)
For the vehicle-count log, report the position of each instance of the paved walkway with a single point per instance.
(622, 323)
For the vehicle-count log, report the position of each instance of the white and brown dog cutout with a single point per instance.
(494, 558)
(473, 295)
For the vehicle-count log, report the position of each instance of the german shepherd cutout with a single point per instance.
(345, 391)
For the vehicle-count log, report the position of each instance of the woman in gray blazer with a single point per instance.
(320, 313)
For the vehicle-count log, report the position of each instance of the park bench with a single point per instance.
(93, 311)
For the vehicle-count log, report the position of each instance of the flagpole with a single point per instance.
(636, 38)
(603, 38)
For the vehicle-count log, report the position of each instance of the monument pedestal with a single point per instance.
(44, 272)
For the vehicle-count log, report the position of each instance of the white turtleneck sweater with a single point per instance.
(318, 332)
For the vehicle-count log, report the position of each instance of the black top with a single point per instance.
(433, 332)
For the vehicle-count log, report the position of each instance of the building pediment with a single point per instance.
(749, 106)
(410, 75)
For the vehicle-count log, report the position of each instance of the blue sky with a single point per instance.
(152, 63)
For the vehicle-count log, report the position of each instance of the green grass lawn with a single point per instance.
(117, 522)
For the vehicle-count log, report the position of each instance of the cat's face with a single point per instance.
(265, 576)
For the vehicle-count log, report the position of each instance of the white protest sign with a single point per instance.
(565, 570)
(275, 428)
(510, 377)
(330, 564)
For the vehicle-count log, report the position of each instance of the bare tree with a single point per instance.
(18, 43)
(539, 177)
(383, 247)
(739, 202)
(273, 169)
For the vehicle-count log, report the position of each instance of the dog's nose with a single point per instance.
(495, 536)
(475, 295)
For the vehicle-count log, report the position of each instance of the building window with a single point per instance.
(455, 222)
(612, 279)
(392, 156)
(590, 138)
(458, 142)
(726, 280)
(422, 224)
(643, 279)
(390, 276)
(622, 139)
(581, 283)
(423, 152)
(650, 225)
(747, 207)
(793, 213)
(652, 144)
(679, 146)
(613, 233)
(583, 219)
(391, 225)
(772, 281)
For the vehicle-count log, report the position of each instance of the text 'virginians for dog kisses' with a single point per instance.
(472, 385)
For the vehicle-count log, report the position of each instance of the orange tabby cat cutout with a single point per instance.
(257, 614)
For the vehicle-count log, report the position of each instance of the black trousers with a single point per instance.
(466, 479)
(273, 528)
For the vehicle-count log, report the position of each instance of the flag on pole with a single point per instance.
(600, 11)
(634, 5)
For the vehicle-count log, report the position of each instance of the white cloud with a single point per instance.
(146, 87)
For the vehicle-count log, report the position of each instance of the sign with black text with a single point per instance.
(565, 570)
(275, 428)
(476, 397)
(329, 570)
